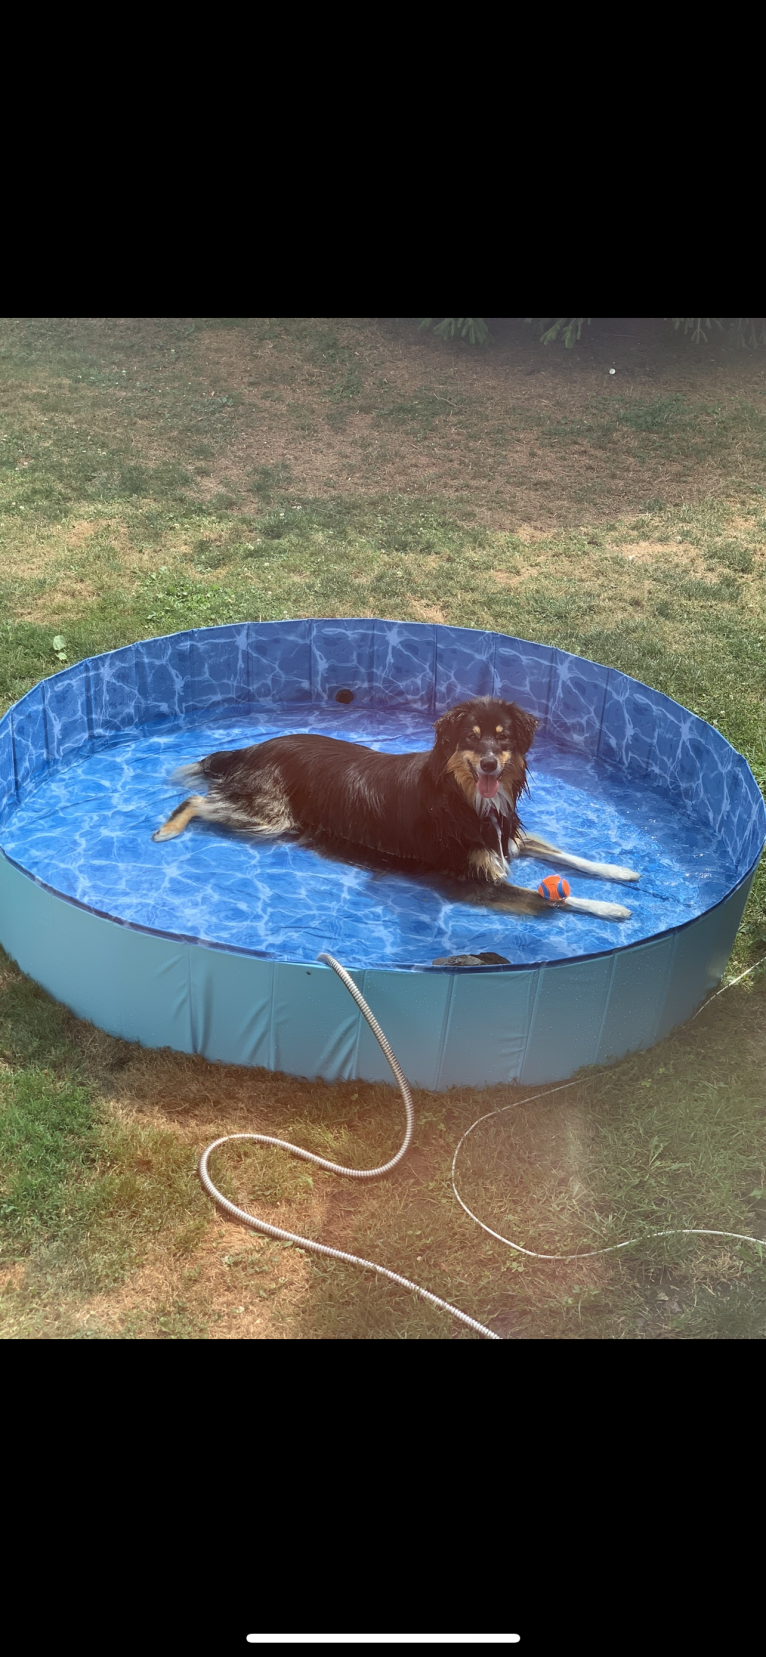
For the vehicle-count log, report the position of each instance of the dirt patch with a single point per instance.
(11, 1277)
(34, 554)
(235, 1290)
(529, 533)
(59, 601)
(83, 529)
(505, 578)
(648, 552)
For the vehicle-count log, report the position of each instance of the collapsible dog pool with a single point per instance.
(208, 943)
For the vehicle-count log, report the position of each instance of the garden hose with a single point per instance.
(255, 1224)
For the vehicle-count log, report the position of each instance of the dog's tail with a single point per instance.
(185, 774)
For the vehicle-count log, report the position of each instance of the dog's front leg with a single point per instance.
(529, 845)
(487, 865)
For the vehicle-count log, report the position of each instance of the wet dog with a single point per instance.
(449, 814)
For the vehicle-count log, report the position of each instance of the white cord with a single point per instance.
(680, 1231)
(729, 986)
(685, 1231)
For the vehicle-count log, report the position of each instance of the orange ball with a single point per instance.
(554, 889)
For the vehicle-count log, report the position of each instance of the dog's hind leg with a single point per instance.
(530, 845)
(523, 900)
(263, 811)
(179, 818)
(495, 894)
(520, 900)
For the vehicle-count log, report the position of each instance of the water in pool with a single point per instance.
(85, 831)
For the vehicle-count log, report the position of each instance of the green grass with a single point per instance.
(122, 515)
(81, 1195)
(675, 428)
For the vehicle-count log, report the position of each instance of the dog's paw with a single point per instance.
(613, 871)
(604, 871)
(591, 906)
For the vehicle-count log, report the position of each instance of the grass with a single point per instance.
(674, 426)
(155, 476)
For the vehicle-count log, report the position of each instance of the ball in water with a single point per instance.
(554, 889)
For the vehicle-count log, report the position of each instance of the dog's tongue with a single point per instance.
(488, 786)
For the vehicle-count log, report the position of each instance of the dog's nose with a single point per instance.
(490, 765)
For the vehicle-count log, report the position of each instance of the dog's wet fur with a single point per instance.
(449, 814)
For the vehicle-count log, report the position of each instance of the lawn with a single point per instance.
(161, 474)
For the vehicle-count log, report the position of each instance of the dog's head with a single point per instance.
(483, 744)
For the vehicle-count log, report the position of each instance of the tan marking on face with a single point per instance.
(513, 766)
(460, 768)
(498, 730)
(476, 730)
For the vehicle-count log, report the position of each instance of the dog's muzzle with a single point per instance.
(488, 780)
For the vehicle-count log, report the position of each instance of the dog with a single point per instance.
(449, 814)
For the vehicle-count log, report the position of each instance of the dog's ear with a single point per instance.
(523, 726)
(447, 728)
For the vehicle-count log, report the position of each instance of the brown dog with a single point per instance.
(449, 813)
